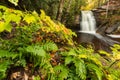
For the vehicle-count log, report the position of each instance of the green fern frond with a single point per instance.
(62, 72)
(36, 50)
(37, 78)
(7, 54)
(83, 50)
(50, 46)
(72, 52)
(114, 73)
(3, 68)
(80, 69)
(68, 60)
(96, 70)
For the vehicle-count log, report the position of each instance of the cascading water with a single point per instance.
(88, 23)
(88, 28)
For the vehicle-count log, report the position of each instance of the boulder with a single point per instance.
(113, 28)
(101, 29)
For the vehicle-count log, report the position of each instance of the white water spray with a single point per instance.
(88, 23)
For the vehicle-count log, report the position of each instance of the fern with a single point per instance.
(96, 70)
(61, 71)
(72, 52)
(36, 50)
(94, 59)
(80, 69)
(116, 51)
(4, 65)
(37, 78)
(84, 61)
(29, 18)
(50, 46)
(114, 74)
(20, 62)
(8, 58)
(15, 2)
(68, 60)
(7, 54)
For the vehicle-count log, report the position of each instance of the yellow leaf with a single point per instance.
(84, 56)
(96, 61)
(118, 64)
(117, 57)
(42, 15)
(2, 26)
(101, 52)
(90, 4)
(109, 77)
(29, 19)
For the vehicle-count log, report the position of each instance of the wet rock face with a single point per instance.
(101, 30)
(113, 28)
(110, 14)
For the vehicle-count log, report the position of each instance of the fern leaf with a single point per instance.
(3, 7)
(15, 2)
(37, 78)
(95, 60)
(10, 17)
(80, 69)
(7, 54)
(101, 52)
(3, 68)
(42, 15)
(29, 19)
(72, 52)
(2, 26)
(50, 46)
(68, 60)
(83, 56)
(96, 70)
(36, 51)
(62, 72)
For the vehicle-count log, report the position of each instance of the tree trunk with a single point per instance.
(60, 9)
(67, 11)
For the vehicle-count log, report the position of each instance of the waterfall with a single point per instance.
(88, 23)
(88, 26)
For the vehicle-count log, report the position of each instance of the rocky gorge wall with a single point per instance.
(108, 17)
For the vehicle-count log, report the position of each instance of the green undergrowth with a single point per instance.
(27, 38)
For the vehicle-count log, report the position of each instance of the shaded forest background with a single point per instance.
(65, 11)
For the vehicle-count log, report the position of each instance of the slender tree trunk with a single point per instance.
(69, 3)
(60, 9)
(98, 3)
(107, 9)
(67, 11)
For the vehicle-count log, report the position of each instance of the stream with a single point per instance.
(87, 34)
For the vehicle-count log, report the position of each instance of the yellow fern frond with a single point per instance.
(2, 26)
(29, 19)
